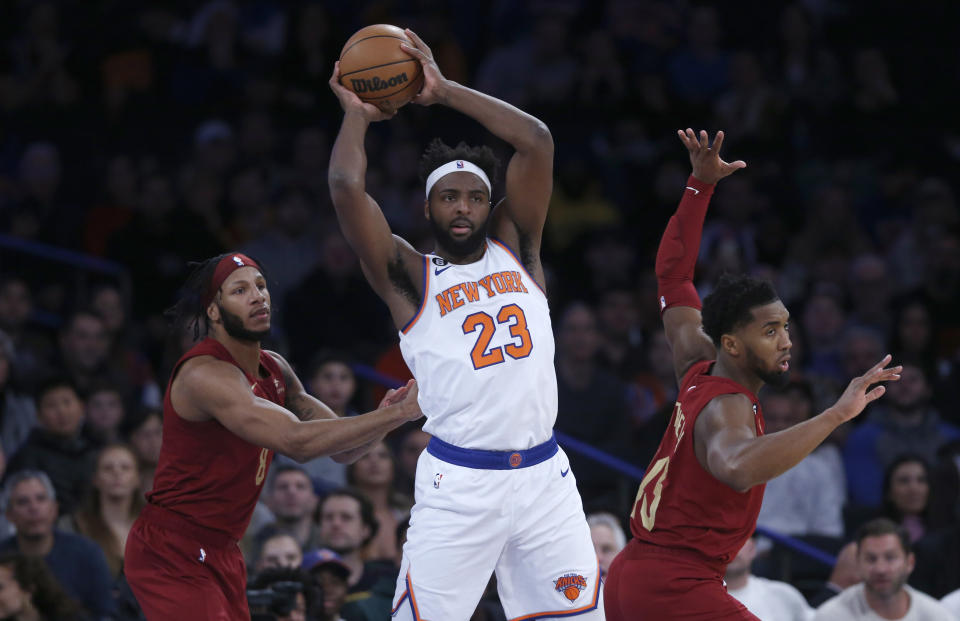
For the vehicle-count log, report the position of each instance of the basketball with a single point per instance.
(373, 66)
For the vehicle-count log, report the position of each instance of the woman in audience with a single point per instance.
(373, 475)
(113, 504)
(29, 592)
(906, 494)
(144, 433)
(105, 413)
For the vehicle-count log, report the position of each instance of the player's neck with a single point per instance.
(724, 368)
(457, 259)
(246, 353)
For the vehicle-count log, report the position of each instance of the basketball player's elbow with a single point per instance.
(343, 182)
(536, 138)
(732, 473)
(297, 444)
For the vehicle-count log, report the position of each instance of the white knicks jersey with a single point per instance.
(481, 348)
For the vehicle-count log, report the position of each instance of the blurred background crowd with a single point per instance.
(137, 136)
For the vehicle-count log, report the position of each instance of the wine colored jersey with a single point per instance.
(207, 473)
(680, 504)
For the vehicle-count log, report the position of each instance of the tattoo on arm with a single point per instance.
(299, 404)
(303, 408)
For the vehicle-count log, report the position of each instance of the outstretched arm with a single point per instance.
(385, 258)
(211, 389)
(529, 176)
(307, 407)
(679, 247)
(727, 446)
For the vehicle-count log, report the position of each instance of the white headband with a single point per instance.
(455, 166)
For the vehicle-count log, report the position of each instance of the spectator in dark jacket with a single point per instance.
(56, 446)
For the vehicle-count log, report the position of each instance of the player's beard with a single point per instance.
(233, 325)
(459, 248)
(774, 377)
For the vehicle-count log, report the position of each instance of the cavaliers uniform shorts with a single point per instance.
(648, 582)
(184, 572)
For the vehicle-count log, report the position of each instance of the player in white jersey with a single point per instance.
(493, 490)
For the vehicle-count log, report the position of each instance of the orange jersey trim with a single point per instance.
(423, 300)
(568, 613)
(519, 262)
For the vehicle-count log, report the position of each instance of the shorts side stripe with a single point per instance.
(412, 597)
(567, 613)
(399, 603)
(409, 596)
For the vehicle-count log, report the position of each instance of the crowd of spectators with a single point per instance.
(142, 135)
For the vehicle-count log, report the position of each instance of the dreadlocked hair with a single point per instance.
(190, 311)
(729, 306)
(439, 153)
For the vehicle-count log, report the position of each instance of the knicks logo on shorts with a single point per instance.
(570, 585)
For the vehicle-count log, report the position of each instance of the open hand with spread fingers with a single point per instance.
(433, 80)
(705, 158)
(859, 394)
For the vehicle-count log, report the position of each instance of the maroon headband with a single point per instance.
(225, 267)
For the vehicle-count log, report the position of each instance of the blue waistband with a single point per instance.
(492, 460)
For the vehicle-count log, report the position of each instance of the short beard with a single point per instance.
(777, 379)
(233, 325)
(894, 588)
(459, 248)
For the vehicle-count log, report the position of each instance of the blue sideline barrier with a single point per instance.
(61, 255)
(623, 467)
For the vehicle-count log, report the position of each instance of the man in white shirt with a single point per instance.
(884, 561)
(808, 498)
(951, 602)
(767, 599)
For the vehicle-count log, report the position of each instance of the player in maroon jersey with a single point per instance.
(699, 500)
(229, 405)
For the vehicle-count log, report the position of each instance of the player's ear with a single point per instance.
(213, 312)
(426, 208)
(730, 344)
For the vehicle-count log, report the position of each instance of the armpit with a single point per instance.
(401, 281)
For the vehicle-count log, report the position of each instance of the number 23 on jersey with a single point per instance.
(520, 345)
(651, 487)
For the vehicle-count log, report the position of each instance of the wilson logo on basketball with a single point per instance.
(374, 84)
(570, 585)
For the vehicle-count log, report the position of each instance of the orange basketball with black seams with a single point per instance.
(373, 66)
